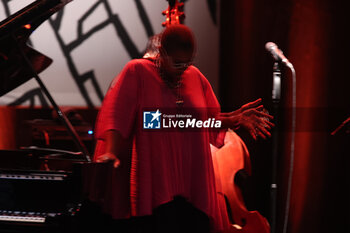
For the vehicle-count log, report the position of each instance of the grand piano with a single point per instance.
(35, 197)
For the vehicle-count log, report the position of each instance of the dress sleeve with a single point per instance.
(119, 106)
(216, 136)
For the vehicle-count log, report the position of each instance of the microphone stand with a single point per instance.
(276, 96)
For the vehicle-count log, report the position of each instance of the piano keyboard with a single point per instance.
(21, 219)
(17, 216)
(33, 176)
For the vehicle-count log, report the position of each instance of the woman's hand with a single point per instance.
(251, 116)
(109, 157)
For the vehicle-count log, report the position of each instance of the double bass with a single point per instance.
(173, 15)
(228, 161)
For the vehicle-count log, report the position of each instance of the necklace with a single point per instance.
(175, 86)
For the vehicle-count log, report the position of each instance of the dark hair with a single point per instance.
(178, 37)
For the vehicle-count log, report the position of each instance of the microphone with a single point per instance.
(277, 54)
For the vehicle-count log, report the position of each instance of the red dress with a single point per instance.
(164, 163)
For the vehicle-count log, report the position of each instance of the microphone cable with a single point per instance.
(292, 151)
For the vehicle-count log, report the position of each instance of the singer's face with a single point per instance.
(176, 62)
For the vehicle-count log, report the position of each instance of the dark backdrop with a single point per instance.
(314, 36)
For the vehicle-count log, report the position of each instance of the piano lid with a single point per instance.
(14, 33)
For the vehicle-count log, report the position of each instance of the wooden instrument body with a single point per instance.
(228, 160)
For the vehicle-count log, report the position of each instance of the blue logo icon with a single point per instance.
(151, 120)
